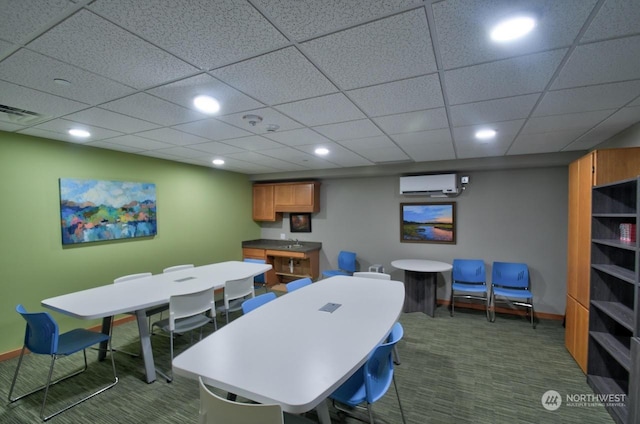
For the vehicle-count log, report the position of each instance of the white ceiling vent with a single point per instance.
(20, 116)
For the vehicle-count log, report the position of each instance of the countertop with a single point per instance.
(307, 246)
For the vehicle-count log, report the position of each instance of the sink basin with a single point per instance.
(292, 246)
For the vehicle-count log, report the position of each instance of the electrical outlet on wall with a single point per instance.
(283, 236)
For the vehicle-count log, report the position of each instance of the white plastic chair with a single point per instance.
(217, 410)
(187, 312)
(236, 292)
(376, 275)
(177, 268)
(127, 279)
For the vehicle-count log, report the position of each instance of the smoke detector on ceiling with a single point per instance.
(252, 119)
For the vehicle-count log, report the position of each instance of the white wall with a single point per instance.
(512, 215)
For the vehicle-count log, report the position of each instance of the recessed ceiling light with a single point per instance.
(206, 104)
(218, 162)
(485, 134)
(322, 151)
(512, 29)
(76, 132)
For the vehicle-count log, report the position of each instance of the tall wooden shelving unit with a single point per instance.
(613, 362)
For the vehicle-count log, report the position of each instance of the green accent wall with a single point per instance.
(203, 216)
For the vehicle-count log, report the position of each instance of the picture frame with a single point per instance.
(428, 222)
(300, 222)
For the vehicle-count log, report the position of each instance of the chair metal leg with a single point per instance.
(453, 301)
(395, 386)
(396, 356)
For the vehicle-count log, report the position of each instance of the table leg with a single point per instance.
(106, 329)
(145, 346)
(420, 292)
(323, 412)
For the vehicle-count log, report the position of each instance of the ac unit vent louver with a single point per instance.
(20, 116)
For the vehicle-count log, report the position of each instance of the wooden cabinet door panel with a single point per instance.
(263, 206)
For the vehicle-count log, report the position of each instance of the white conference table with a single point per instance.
(292, 353)
(420, 279)
(145, 293)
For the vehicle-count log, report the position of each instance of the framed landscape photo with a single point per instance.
(428, 222)
(300, 222)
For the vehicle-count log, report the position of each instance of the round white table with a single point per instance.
(420, 283)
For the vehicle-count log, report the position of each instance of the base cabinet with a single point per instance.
(286, 265)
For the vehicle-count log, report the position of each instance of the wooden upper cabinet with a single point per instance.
(613, 165)
(297, 197)
(271, 199)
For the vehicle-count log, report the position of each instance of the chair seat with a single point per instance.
(352, 392)
(473, 288)
(234, 305)
(75, 340)
(522, 294)
(334, 272)
(185, 324)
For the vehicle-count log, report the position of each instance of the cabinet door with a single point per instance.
(577, 332)
(299, 197)
(263, 206)
(616, 164)
(583, 236)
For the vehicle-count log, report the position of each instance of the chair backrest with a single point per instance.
(257, 278)
(510, 274)
(236, 289)
(468, 271)
(298, 284)
(255, 302)
(190, 304)
(378, 370)
(42, 332)
(347, 261)
(397, 332)
(217, 410)
(130, 277)
(376, 275)
(177, 268)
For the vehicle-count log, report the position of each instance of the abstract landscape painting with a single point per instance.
(428, 222)
(94, 210)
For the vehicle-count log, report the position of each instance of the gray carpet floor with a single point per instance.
(453, 370)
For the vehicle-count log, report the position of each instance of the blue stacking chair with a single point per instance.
(510, 284)
(346, 265)
(259, 280)
(371, 382)
(298, 284)
(255, 302)
(42, 337)
(469, 281)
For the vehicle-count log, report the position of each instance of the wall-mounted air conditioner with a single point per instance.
(441, 185)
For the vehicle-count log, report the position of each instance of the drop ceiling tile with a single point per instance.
(278, 77)
(150, 108)
(172, 136)
(302, 136)
(63, 126)
(53, 135)
(114, 146)
(107, 119)
(7, 126)
(92, 43)
(305, 18)
(36, 71)
(254, 142)
(616, 123)
(463, 28)
(322, 110)
(400, 96)
(22, 19)
(212, 129)
(570, 121)
(161, 154)
(614, 19)
(36, 101)
(379, 142)
(141, 143)
(241, 166)
(506, 109)
(526, 144)
(348, 130)
(182, 152)
(184, 91)
(384, 50)
(422, 120)
(467, 146)
(337, 154)
(264, 160)
(217, 148)
(636, 102)
(269, 116)
(504, 78)
(598, 63)
(384, 154)
(203, 32)
(584, 99)
(296, 156)
(6, 48)
(426, 146)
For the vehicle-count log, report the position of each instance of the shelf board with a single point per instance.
(616, 348)
(617, 311)
(616, 271)
(606, 385)
(614, 215)
(628, 245)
